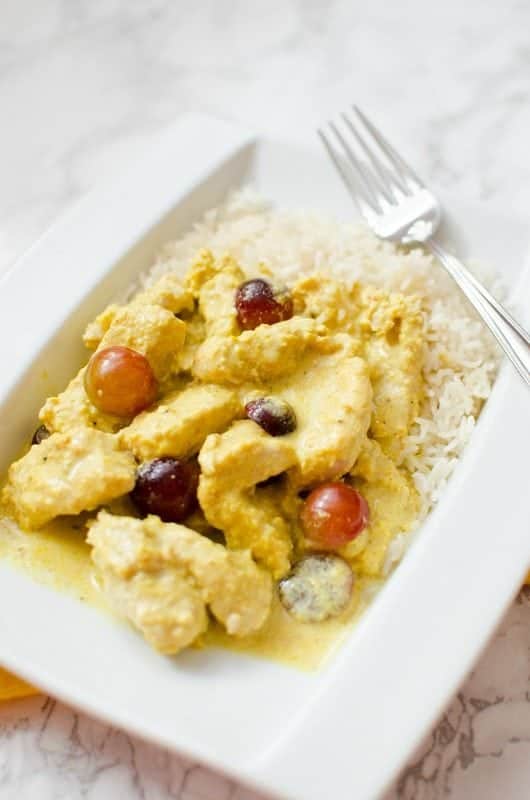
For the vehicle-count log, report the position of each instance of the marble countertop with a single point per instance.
(84, 84)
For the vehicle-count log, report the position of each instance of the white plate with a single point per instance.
(357, 719)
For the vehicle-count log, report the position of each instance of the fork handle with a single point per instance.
(511, 336)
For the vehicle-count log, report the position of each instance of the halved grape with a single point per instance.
(40, 434)
(166, 487)
(274, 415)
(257, 304)
(318, 587)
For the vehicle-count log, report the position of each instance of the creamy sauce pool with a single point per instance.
(59, 557)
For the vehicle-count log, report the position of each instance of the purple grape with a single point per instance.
(275, 416)
(166, 487)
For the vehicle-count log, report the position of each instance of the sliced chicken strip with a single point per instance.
(263, 354)
(162, 576)
(168, 292)
(333, 404)
(392, 325)
(152, 331)
(181, 421)
(231, 465)
(331, 302)
(67, 473)
(216, 283)
(71, 409)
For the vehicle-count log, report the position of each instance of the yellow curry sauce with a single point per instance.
(59, 556)
(348, 361)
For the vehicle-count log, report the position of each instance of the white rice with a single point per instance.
(461, 358)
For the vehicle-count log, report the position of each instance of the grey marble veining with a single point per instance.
(84, 84)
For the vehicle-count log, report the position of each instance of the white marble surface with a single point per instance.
(85, 84)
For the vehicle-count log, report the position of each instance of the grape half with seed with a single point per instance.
(40, 434)
(318, 587)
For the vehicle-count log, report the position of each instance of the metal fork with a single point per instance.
(397, 206)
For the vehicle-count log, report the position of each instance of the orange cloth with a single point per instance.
(11, 686)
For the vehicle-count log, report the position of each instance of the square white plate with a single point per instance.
(357, 719)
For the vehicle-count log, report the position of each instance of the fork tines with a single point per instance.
(374, 173)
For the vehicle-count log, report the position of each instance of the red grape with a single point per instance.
(334, 514)
(120, 381)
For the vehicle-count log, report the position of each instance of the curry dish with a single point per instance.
(234, 452)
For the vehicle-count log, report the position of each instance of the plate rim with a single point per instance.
(271, 770)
